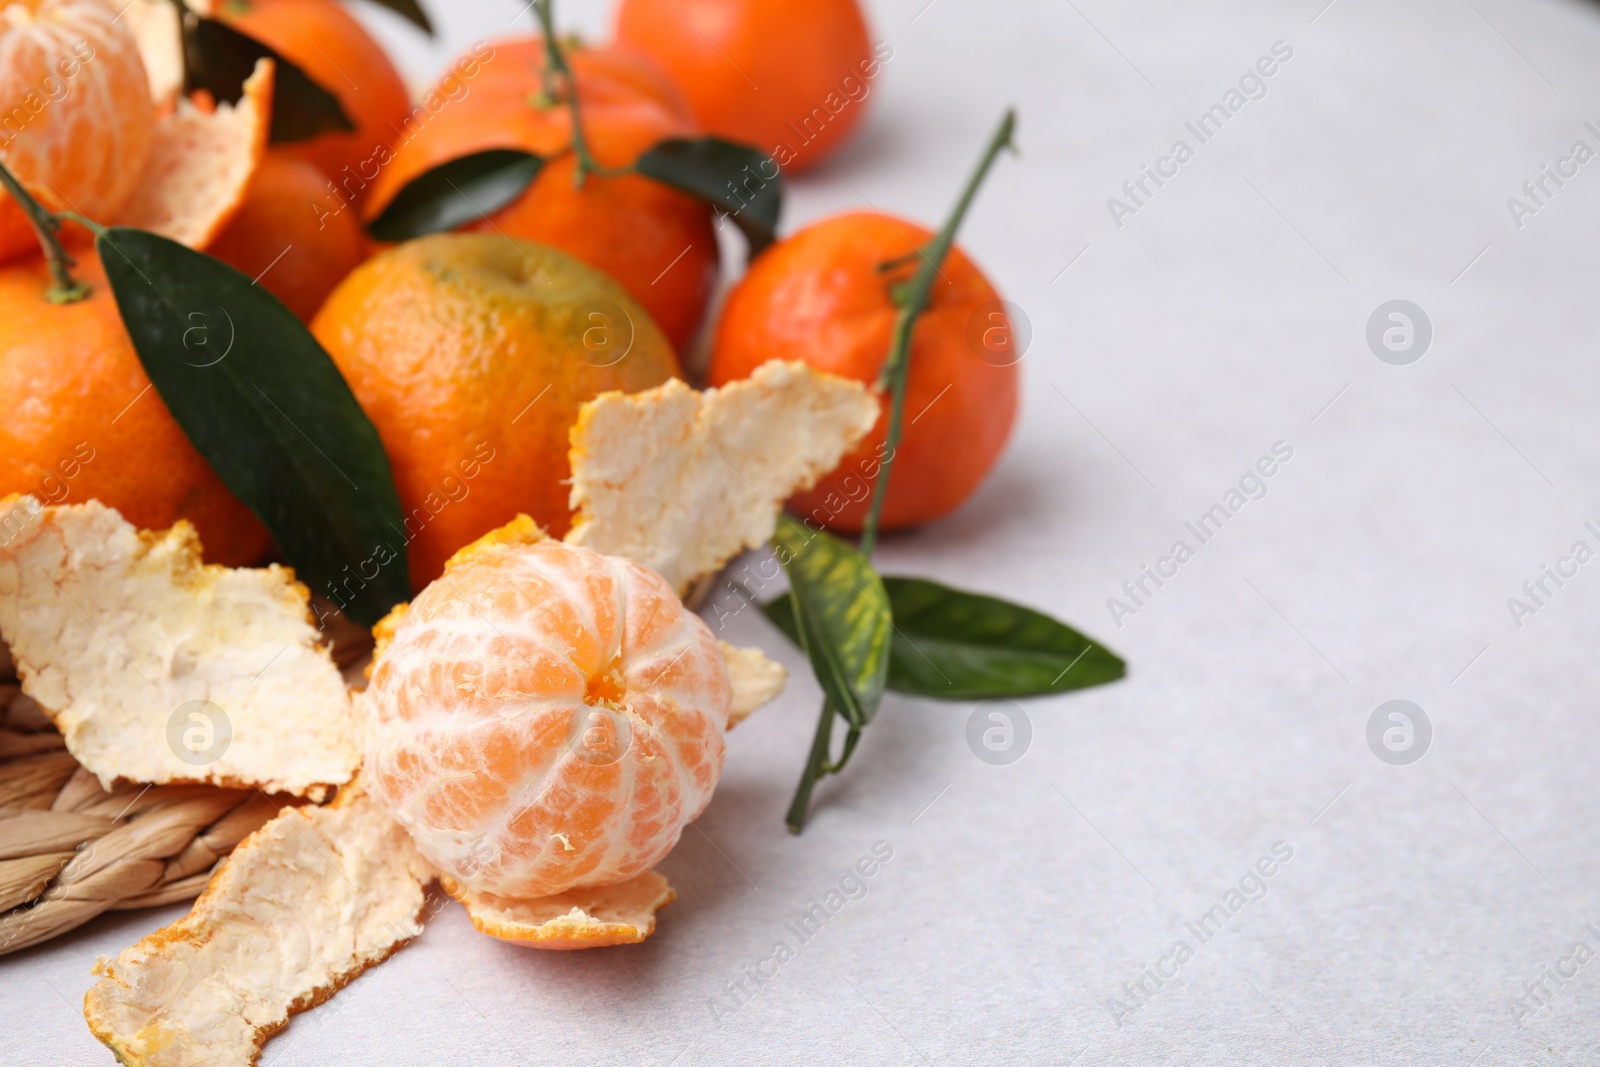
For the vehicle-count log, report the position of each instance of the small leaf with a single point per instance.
(843, 617)
(954, 645)
(267, 408)
(411, 11)
(734, 178)
(455, 193)
(219, 58)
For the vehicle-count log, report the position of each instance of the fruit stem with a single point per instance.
(911, 298)
(556, 61)
(64, 289)
(816, 767)
(912, 301)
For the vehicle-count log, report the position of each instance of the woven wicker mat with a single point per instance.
(69, 849)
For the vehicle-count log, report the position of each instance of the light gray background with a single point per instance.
(1228, 314)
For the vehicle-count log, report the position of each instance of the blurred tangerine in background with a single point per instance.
(83, 421)
(658, 243)
(326, 42)
(789, 77)
(827, 296)
(281, 238)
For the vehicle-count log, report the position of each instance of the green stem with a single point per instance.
(64, 289)
(816, 767)
(556, 60)
(914, 302)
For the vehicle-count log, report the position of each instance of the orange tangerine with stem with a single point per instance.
(544, 717)
(75, 111)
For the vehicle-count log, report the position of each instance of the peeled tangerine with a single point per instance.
(543, 717)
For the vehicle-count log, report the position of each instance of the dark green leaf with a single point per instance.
(736, 179)
(843, 617)
(266, 407)
(411, 10)
(455, 193)
(219, 58)
(954, 645)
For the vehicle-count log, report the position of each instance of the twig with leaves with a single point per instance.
(865, 634)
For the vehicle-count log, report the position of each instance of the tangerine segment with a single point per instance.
(544, 717)
(156, 27)
(75, 111)
(201, 164)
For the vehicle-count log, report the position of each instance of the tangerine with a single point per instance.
(790, 77)
(472, 353)
(75, 111)
(82, 420)
(280, 237)
(545, 717)
(659, 243)
(824, 297)
(335, 51)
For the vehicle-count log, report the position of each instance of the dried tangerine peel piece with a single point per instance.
(583, 917)
(756, 680)
(119, 633)
(201, 163)
(682, 481)
(297, 911)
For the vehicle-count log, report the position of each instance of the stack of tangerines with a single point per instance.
(430, 344)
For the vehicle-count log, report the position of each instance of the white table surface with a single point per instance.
(1229, 313)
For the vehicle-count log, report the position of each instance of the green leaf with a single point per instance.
(411, 11)
(954, 645)
(734, 178)
(267, 408)
(219, 58)
(843, 617)
(455, 193)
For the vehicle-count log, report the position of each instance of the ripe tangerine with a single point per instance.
(83, 421)
(545, 717)
(790, 78)
(280, 236)
(472, 353)
(822, 296)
